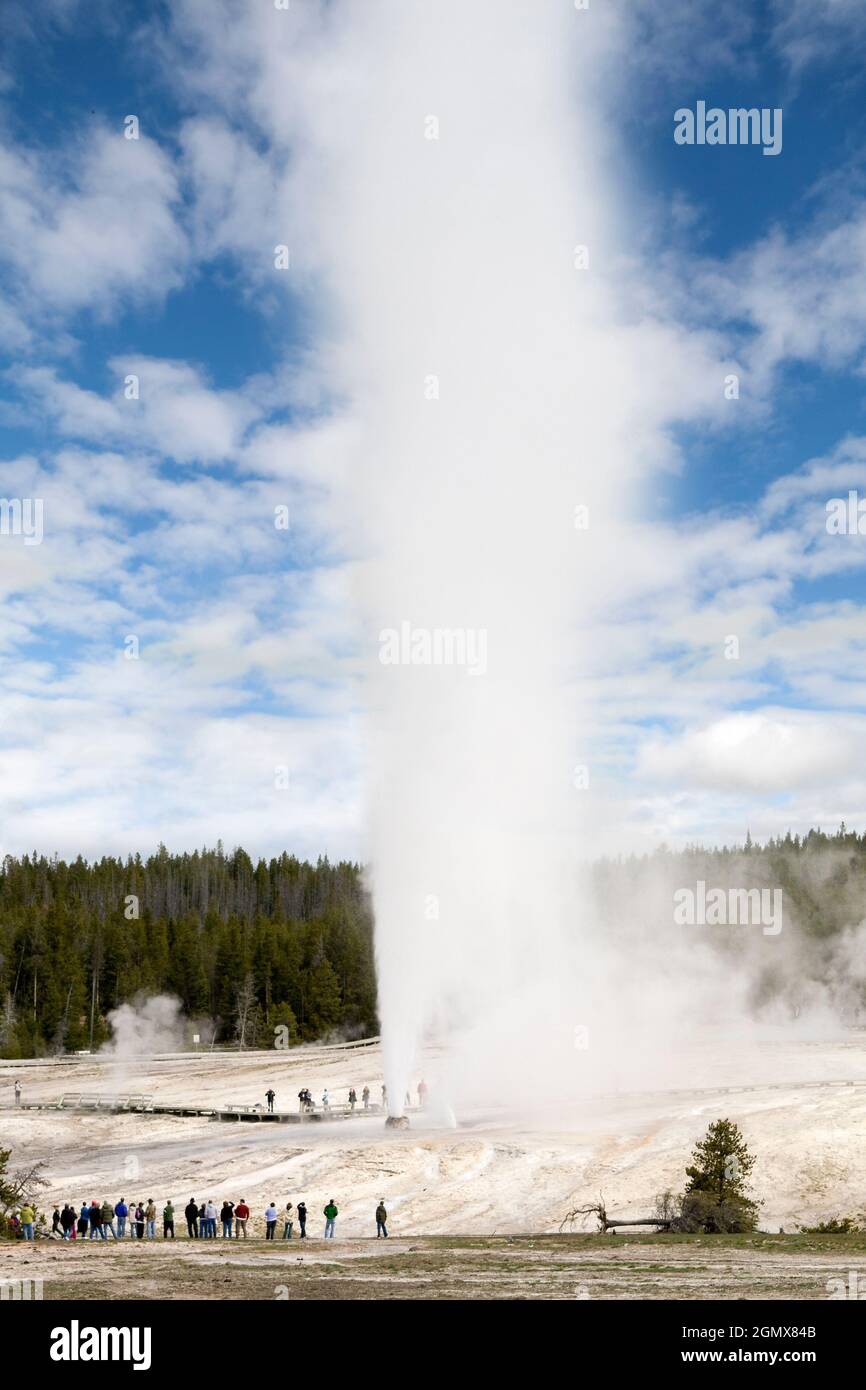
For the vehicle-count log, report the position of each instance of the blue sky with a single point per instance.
(154, 258)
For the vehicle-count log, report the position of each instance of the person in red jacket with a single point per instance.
(242, 1213)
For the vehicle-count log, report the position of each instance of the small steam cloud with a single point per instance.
(151, 1024)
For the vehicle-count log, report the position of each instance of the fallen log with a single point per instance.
(645, 1221)
(606, 1223)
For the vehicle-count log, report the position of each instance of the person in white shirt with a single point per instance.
(270, 1221)
(326, 1101)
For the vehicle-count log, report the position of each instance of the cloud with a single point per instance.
(162, 405)
(93, 226)
(754, 753)
(807, 32)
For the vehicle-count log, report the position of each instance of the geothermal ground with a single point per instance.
(486, 1197)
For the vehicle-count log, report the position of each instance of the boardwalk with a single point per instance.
(146, 1105)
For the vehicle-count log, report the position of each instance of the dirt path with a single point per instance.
(524, 1267)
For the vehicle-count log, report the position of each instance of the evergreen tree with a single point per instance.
(717, 1196)
(78, 939)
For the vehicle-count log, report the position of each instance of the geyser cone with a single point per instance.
(397, 1122)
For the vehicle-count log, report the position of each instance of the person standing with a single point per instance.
(191, 1214)
(139, 1221)
(67, 1221)
(168, 1220)
(270, 1221)
(302, 1219)
(108, 1220)
(28, 1218)
(365, 1096)
(94, 1216)
(150, 1218)
(83, 1220)
(287, 1222)
(384, 1097)
(330, 1213)
(242, 1216)
(353, 1100)
(211, 1218)
(326, 1100)
(55, 1222)
(270, 1098)
(121, 1211)
(17, 1092)
(422, 1093)
(227, 1216)
(381, 1218)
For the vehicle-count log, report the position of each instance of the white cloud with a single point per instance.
(92, 226)
(810, 31)
(174, 412)
(764, 753)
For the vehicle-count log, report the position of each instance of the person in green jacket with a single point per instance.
(27, 1218)
(107, 1214)
(168, 1221)
(381, 1218)
(331, 1214)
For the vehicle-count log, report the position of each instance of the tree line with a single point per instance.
(247, 948)
(282, 943)
(822, 879)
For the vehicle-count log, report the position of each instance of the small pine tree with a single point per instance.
(717, 1196)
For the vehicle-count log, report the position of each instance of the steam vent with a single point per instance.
(397, 1122)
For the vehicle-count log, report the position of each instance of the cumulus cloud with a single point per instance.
(161, 405)
(91, 226)
(754, 752)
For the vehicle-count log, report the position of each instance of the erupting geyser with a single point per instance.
(486, 420)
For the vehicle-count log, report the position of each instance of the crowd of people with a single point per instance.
(307, 1104)
(138, 1220)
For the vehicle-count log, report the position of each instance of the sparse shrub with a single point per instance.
(838, 1226)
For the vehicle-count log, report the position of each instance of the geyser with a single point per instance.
(491, 410)
(487, 417)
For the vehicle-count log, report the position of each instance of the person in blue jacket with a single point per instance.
(121, 1211)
